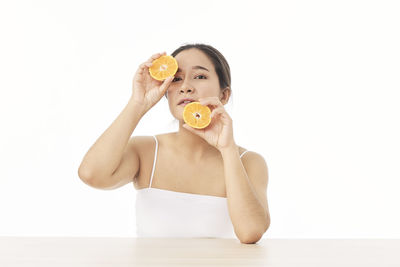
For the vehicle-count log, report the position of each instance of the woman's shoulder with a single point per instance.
(148, 142)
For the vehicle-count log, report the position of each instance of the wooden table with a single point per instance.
(108, 251)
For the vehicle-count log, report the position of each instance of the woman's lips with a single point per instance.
(186, 102)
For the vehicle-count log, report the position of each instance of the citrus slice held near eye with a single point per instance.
(163, 67)
(196, 115)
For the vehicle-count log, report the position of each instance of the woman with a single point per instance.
(190, 183)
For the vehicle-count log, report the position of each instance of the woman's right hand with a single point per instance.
(147, 91)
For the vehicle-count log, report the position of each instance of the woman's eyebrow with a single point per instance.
(195, 67)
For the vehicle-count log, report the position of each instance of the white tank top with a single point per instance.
(166, 213)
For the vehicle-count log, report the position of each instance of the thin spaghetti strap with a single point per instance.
(244, 153)
(154, 161)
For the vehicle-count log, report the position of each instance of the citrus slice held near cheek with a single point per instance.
(163, 67)
(196, 115)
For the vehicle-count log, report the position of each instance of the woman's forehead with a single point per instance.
(190, 58)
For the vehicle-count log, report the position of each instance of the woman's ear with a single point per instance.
(225, 95)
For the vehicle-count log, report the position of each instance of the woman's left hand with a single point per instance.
(219, 133)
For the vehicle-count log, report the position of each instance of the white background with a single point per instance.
(315, 91)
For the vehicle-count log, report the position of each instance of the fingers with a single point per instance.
(148, 63)
(213, 101)
(217, 111)
(155, 56)
(164, 86)
(143, 66)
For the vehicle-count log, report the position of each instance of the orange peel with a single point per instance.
(197, 115)
(163, 67)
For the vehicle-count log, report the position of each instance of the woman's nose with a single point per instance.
(186, 90)
(186, 87)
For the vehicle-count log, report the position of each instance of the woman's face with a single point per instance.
(196, 78)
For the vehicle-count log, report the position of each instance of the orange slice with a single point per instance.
(196, 115)
(163, 67)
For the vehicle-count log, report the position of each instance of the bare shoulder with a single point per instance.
(145, 147)
(241, 150)
(142, 146)
(252, 159)
(146, 143)
(250, 155)
(143, 141)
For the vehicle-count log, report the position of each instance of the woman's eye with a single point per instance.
(201, 76)
(204, 77)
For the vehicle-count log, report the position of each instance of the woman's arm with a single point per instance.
(246, 195)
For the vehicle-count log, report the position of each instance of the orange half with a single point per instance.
(196, 115)
(163, 67)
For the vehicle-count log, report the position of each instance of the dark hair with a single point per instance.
(218, 60)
